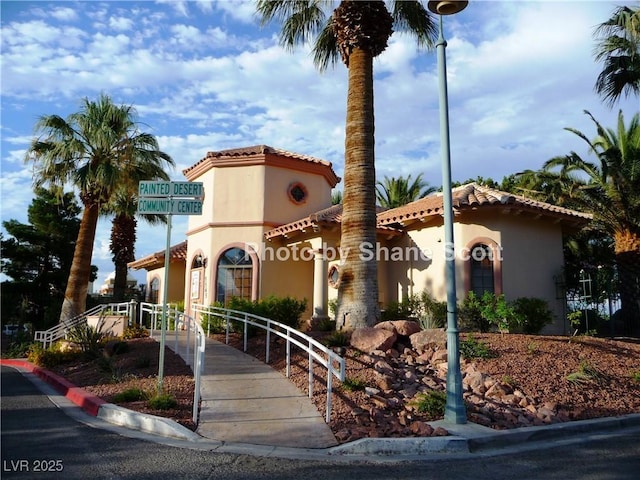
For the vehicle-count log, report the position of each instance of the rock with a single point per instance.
(387, 326)
(406, 328)
(497, 390)
(421, 429)
(440, 432)
(371, 391)
(439, 356)
(369, 339)
(436, 337)
(384, 382)
(343, 435)
(476, 382)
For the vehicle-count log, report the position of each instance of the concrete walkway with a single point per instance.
(244, 400)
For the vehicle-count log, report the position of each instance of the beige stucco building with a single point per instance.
(268, 228)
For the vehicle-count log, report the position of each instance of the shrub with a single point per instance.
(286, 310)
(498, 312)
(135, 332)
(19, 348)
(326, 325)
(489, 310)
(353, 384)
(408, 308)
(534, 312)
(162, 401)
(130, 395)
(586, 374)
(470, 318)
(472, 348)
(432, 403)
(88, 338)
(213, 322)
(337, 339)
(434, 313)
(51, 356)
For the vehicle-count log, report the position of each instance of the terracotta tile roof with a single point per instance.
(328, 216)
(264, 149)
(237, 154)
(177, 252)
(471, 196)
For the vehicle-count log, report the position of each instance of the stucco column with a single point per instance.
(319, 287)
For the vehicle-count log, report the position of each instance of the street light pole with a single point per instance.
(455, 411)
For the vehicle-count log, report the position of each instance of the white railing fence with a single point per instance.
(317, 352)
(178, 324)
(47, 337)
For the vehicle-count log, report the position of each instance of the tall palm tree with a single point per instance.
(123, 206)
(96, 149)
(356, 31)
(394, 192)
(611, 191)
(618, 48)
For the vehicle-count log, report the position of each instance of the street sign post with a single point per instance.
(168, 198)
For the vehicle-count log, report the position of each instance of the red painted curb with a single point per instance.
(87, 401)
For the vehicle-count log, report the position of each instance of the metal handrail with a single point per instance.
(334, 363)
(47, 337)
(177, 322)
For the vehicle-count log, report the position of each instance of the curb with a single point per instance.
(97, 407)
(88, 402)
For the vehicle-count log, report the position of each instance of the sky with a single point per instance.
(205, 76)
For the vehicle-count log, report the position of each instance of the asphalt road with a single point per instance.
(40, 441)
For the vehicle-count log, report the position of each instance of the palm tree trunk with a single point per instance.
(627, 250)
(123, 238)
(75, 295)
(358, 288)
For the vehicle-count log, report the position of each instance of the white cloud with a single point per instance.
(64, 14)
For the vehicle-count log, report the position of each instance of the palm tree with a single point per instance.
(124, 205)
(618, 48)
(96, 149)
(357, 31)
(394, 192)
(611, 191)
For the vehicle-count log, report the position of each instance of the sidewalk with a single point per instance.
(246, 401)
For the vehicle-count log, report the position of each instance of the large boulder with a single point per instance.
(368, 339)
(404, 328)
(432, 337)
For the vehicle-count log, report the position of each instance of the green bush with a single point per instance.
(470, 317)
(135, 332)
(286, 310)
(326, 325)
(162, 401)
(472, 348)
(337, 339)
(434, 313)
(534, 312)
(51, 356)
(481, 314)
(432, 403)
(18, 348)
(409, 307)
(353, 384)
(213, 322)
(130, 395)
(89, 339)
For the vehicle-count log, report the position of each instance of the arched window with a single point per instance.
(154, 290)
(481, 259)
(235, 275)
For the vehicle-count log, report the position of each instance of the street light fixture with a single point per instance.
(455, 411)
